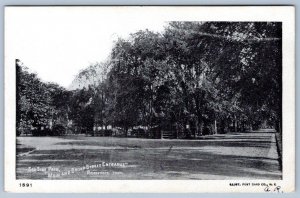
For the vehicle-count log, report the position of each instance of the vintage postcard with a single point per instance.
(150, 99)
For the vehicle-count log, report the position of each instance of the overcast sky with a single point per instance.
(58, 43)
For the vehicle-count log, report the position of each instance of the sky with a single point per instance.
(57, 43)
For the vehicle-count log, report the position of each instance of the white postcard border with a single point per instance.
(284, 14)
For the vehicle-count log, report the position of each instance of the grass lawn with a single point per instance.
(230, 156)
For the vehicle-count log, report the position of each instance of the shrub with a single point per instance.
(138, 132)
(58, 130)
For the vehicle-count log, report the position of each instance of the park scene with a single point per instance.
(197, 100)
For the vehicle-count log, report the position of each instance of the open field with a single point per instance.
(230, 156)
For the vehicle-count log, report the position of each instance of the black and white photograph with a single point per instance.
(137, 93)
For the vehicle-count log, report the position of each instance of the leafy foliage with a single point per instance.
(194, 78)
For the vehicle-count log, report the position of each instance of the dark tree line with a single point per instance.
(193, 79)
(41, 107)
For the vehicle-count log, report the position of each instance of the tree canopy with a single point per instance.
(194, 78)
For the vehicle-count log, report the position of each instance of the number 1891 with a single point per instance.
(25, 184)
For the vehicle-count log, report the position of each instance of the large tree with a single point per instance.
(40, 105)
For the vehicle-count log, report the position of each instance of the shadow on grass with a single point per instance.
(263, 143)
(151, 164)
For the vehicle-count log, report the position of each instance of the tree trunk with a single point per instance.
(126, 131)
(197, 127)
(194, 128)
(216, 128)
(235, 124)
(200, 124)
(176, 128)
